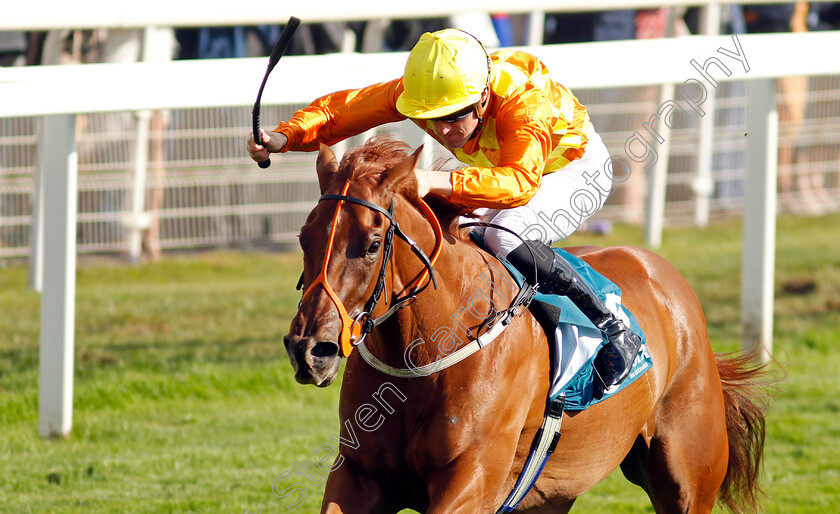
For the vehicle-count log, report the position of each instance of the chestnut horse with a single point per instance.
(688, 431)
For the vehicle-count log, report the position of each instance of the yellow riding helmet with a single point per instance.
(446, 71)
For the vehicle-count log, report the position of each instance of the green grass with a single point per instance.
(184, 399)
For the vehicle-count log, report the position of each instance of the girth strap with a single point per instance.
(545, 441)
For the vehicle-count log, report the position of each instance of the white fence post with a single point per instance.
(36, 230)
(58, 164)
(139, 219)
(658, 179)
(50, 55)
(703, 184)
(757, 268)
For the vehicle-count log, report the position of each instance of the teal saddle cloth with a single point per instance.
(579, 388)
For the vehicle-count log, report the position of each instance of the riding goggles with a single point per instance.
(457, 115)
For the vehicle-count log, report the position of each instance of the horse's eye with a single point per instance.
(374, 247)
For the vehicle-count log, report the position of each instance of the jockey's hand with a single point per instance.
(438, 182)
(273, 142)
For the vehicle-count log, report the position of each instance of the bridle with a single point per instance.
(354, 329)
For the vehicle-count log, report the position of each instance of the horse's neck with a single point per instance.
(407, 267)
(470, 283)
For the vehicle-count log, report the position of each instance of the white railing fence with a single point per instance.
(212, 195)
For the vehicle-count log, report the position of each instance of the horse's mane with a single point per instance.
(370, 162)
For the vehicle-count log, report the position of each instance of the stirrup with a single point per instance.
(624, 346)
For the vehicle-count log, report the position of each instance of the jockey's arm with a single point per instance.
(331, 119)
(337, 116)
(433, 182)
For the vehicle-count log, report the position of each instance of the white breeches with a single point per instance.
(565, 199)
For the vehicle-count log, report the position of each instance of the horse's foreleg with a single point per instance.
(469, 485)
(349, 492)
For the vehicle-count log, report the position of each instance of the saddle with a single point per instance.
(574, 341)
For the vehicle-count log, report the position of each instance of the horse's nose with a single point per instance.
(323, 349)
(296, 349)
(312, 360)
(308, 350)
(287, 340)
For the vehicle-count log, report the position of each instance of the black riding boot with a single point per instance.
(555, 275)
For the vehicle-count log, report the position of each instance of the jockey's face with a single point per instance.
(459, 127)
(456, 133)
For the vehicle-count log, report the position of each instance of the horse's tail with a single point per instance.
(745, 399)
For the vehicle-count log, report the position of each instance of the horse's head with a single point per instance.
(345, 242)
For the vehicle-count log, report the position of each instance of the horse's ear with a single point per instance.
(326, 166)
(403, 171)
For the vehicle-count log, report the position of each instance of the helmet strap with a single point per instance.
(482, 105)
(477, 128)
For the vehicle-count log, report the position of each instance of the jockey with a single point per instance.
(536, 166)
